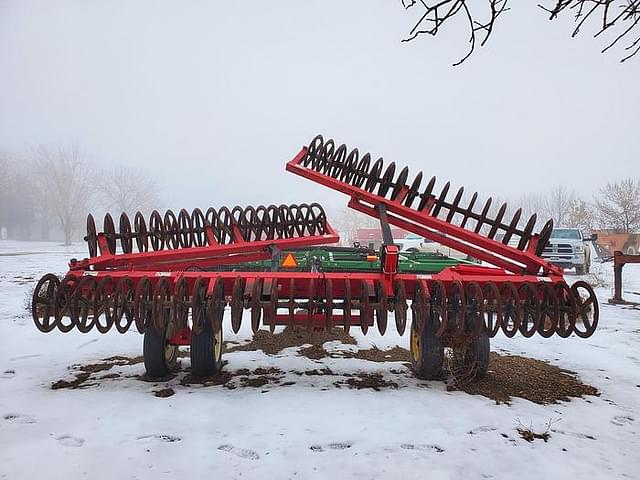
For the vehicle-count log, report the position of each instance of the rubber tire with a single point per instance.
(153, 352)
(479, 352)
(203, 361)
(431, 356)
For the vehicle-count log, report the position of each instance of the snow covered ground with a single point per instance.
(311, 429)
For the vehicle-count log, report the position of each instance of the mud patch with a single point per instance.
(84, 373)
(246, 378)
(534, 380)
(509, 376)
(274, 343)
(362, 380)
(374, 354)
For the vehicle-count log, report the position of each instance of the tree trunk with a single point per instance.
(67, 236)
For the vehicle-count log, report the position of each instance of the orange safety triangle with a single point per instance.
(289, 261)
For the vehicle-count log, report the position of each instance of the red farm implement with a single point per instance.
(172, 277)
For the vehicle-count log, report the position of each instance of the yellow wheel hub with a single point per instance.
(170, 351)
(217, 347)
(415, 345)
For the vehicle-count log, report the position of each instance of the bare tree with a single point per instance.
(126, 189)
(5, 182)
(533, 203)
(580, 215)
(65, 183)
(557, 205)
(348, 221)
(618, 206)
(16, 197)
(621, 17)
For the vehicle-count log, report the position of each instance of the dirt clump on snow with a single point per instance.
(534, 380)
(164, 392)
(221, 378)
(529, 435)
(273, 343)
(84, 372)
(362, 380)
(248, 378)
(374, 354)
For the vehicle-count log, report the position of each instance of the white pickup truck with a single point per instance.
(416, 243)
(568, 248)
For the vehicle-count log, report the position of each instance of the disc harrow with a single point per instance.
(173, 277)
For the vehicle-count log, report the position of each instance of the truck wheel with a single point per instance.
(630, 251)
(206, 351)
(478, 355)
(159, 356)
(427, 353)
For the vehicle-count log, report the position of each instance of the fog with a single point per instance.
(213, 98)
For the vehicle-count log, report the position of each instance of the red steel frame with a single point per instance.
(424, 224)
(313, 285)
(208, 256)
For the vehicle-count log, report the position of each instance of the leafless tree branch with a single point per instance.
(619, 16)
(435, 15)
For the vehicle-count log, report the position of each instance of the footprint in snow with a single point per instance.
(19, 418)
(8, 374)
(622, 420)
(482, 429)
(161, 437)
(24, 357)
(82, 345)
(331, 446)
(240, 452)
(69, 441)
(411, 446)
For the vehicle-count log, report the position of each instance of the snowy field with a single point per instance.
(117, 428)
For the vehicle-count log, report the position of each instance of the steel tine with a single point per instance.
(441, 199)
(512, 226)
(526, 234)
(453, 209)
(483, 216)
(469, 209)
(545, 234)
(427, 195)
(413, 190)
(497, 221)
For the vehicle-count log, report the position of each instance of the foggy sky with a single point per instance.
(212, 98)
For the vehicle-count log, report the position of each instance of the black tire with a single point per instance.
(478, 354)
(160, 358)
(427, 352)
(206, 352)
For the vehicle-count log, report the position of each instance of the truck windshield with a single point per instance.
(565, 233)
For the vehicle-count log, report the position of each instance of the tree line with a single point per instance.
(615, 207)
(47, 194)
